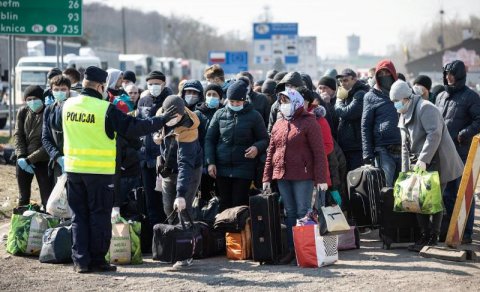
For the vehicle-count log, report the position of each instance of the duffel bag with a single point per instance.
(57, 245)
(232, 219)
(172, 243)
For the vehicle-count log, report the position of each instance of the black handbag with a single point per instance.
(172, 243)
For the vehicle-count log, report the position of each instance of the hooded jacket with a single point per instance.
(460, 108)
(349, 113)
(230, 133)
(186, 154)
(296, 150)
(193, 84)
(380, 118)
(292, 78)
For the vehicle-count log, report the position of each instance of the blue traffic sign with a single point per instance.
(231, 62)
(264, 31)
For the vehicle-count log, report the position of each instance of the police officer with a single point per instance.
(90, 125)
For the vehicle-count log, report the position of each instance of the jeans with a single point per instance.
(154, 199)
(449, 198)
(232, 192)
(169, 190)
(24, 180)
(390, 163)
(354, 159)
(297, 199)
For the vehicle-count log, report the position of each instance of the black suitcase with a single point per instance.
(364, 185)
(57, 245)
(266, 229)
(395, 227)
(173, 243)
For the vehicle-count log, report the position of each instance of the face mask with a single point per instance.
(212, 102)
(342, 93)
(173, 121)
(286, 110)
(35, 105)
(49, 100)
(417, 90)
(325, 97)
(155, 89)
(191, 99)
(60, 95)
(385, 82)
(235, 108)
(401, 108)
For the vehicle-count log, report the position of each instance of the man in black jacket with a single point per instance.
(349, 108)
(460, 108)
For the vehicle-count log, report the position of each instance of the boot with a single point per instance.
(433, 240)
(288, 258)
(420, 243)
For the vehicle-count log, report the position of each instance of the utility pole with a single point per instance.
(441, 40)
(124, 33)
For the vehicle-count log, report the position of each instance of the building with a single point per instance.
(468, 51)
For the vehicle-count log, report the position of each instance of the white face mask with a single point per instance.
(174, 121)
(417, 90)
(155, 89)
(191, 99)
(286, 110)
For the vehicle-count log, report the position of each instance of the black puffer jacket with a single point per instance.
(230, 133)
(349, 112)
(260, 104)
(460, 108)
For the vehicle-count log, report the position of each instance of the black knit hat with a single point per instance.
(423, 80)
(33, 90)
(279, 76)
(96, 74)
(130, 76)
(215, 88)
(237, 91)
(53, 72)
(268, 87)
(176, 101)
(329, 82)
(155, 75)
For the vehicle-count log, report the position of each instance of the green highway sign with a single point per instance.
(41, 17)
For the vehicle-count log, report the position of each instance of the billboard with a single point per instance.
(275, 41)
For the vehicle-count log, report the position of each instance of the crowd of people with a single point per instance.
(224, 138)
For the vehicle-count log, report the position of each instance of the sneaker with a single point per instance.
(420, 243)
(183, 264)
(364, 230)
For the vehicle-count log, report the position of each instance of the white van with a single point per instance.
(33, 70)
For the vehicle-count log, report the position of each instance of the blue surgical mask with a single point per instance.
(212, 102)
(235, 108)
(400, 107)
(49, 100)
(59, 95)
(35, 104)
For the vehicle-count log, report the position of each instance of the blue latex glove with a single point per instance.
(60, 161)
(22, 163)
(336, 197)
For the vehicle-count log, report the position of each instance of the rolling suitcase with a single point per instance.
(266, 229)
(395, 227)
(364, 185)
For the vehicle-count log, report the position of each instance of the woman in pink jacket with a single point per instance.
(296, 158)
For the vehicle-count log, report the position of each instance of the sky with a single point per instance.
(379, 23)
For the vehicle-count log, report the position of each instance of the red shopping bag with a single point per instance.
(313, 250)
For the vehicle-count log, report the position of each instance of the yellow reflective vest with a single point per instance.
(87, 147)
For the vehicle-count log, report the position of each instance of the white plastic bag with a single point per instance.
(332, 221)
(57, 204)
